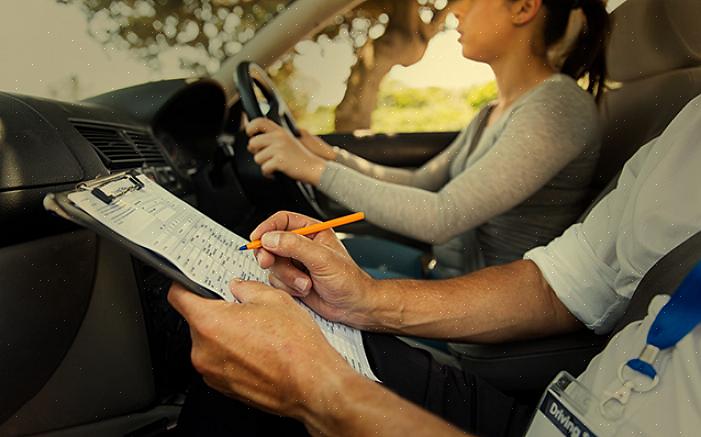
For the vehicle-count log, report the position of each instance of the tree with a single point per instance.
(383, 33)
(408, 27)
(205, 31)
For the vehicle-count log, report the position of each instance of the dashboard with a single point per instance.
(80, 319)
(166, 128)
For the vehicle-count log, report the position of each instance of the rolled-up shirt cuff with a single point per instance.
(580, 280)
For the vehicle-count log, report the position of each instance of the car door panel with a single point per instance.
(105, 370)
(396, 150)
(45, 293)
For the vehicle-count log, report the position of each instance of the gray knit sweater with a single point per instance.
(525, 180)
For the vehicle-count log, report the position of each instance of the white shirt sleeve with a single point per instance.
(582, 265)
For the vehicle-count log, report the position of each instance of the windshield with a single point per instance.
(70, 49)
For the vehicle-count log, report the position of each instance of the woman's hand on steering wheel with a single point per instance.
(316, 145)
(275, 149)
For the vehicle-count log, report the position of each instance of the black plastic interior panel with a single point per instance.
(193, 117)
(23, 217)
(398, 150)
(31, 152)
(529, 365)
(107, 371)
(142, 424)
(46, 287)
(142, 102)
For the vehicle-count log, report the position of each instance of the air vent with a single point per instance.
(121, 147)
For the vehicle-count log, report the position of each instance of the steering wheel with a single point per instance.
(259, 98)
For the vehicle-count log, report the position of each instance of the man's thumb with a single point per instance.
(187, 303)
(246, 291)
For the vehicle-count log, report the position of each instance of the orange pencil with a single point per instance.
(313, 229)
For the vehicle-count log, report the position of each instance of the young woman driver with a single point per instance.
(514, 179)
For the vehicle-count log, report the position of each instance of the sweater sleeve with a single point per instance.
(431, 176)
(537, 141)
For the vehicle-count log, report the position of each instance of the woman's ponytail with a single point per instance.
(587, 57)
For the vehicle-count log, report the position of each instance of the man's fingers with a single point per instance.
(191, 306)
(265, 259)
(285, 272)
(282, 221)
(302, 249)
(292, 277)
(277, 283)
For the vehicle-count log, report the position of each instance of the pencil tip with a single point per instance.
(243, 247)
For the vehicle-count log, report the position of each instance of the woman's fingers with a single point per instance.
(260, 125)
(264, 155)
(269, 167)
(260, 142)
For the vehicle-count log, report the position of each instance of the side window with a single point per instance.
(387, 67)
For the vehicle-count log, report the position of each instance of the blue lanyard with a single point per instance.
(675, 320)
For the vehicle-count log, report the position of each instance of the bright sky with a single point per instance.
(326, 66)
(45, 43)
(43, 47)
(444, 66)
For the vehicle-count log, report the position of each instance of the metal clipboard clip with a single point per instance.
(110, 188)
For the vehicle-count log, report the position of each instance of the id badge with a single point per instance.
(569, 409)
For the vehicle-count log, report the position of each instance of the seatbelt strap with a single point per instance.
(663, 277)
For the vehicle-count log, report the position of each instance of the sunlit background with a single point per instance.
(69, 51)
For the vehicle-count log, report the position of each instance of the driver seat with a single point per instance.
(654, 63)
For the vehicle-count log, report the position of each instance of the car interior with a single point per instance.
(88, 344)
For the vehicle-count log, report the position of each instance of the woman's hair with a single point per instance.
(587, 55)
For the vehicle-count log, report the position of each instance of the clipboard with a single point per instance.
(62, 206)
(193, 237)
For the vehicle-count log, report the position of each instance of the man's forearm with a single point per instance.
(351, 405)
(496, 304)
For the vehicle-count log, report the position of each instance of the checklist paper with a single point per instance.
(200, 248)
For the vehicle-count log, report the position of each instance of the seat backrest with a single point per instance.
(654, 65)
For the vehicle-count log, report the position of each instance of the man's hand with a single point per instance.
(496, 304)
(275, 149)
(266, 351)
(315, 268)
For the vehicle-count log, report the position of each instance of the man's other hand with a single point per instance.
(266, 351)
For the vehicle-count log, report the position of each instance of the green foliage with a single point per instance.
(402, 109)
(208, 31)
(394, 95)
(321, 121)
(205, 31)
(481, 95)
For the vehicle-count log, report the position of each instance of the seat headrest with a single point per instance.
(654, 36)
